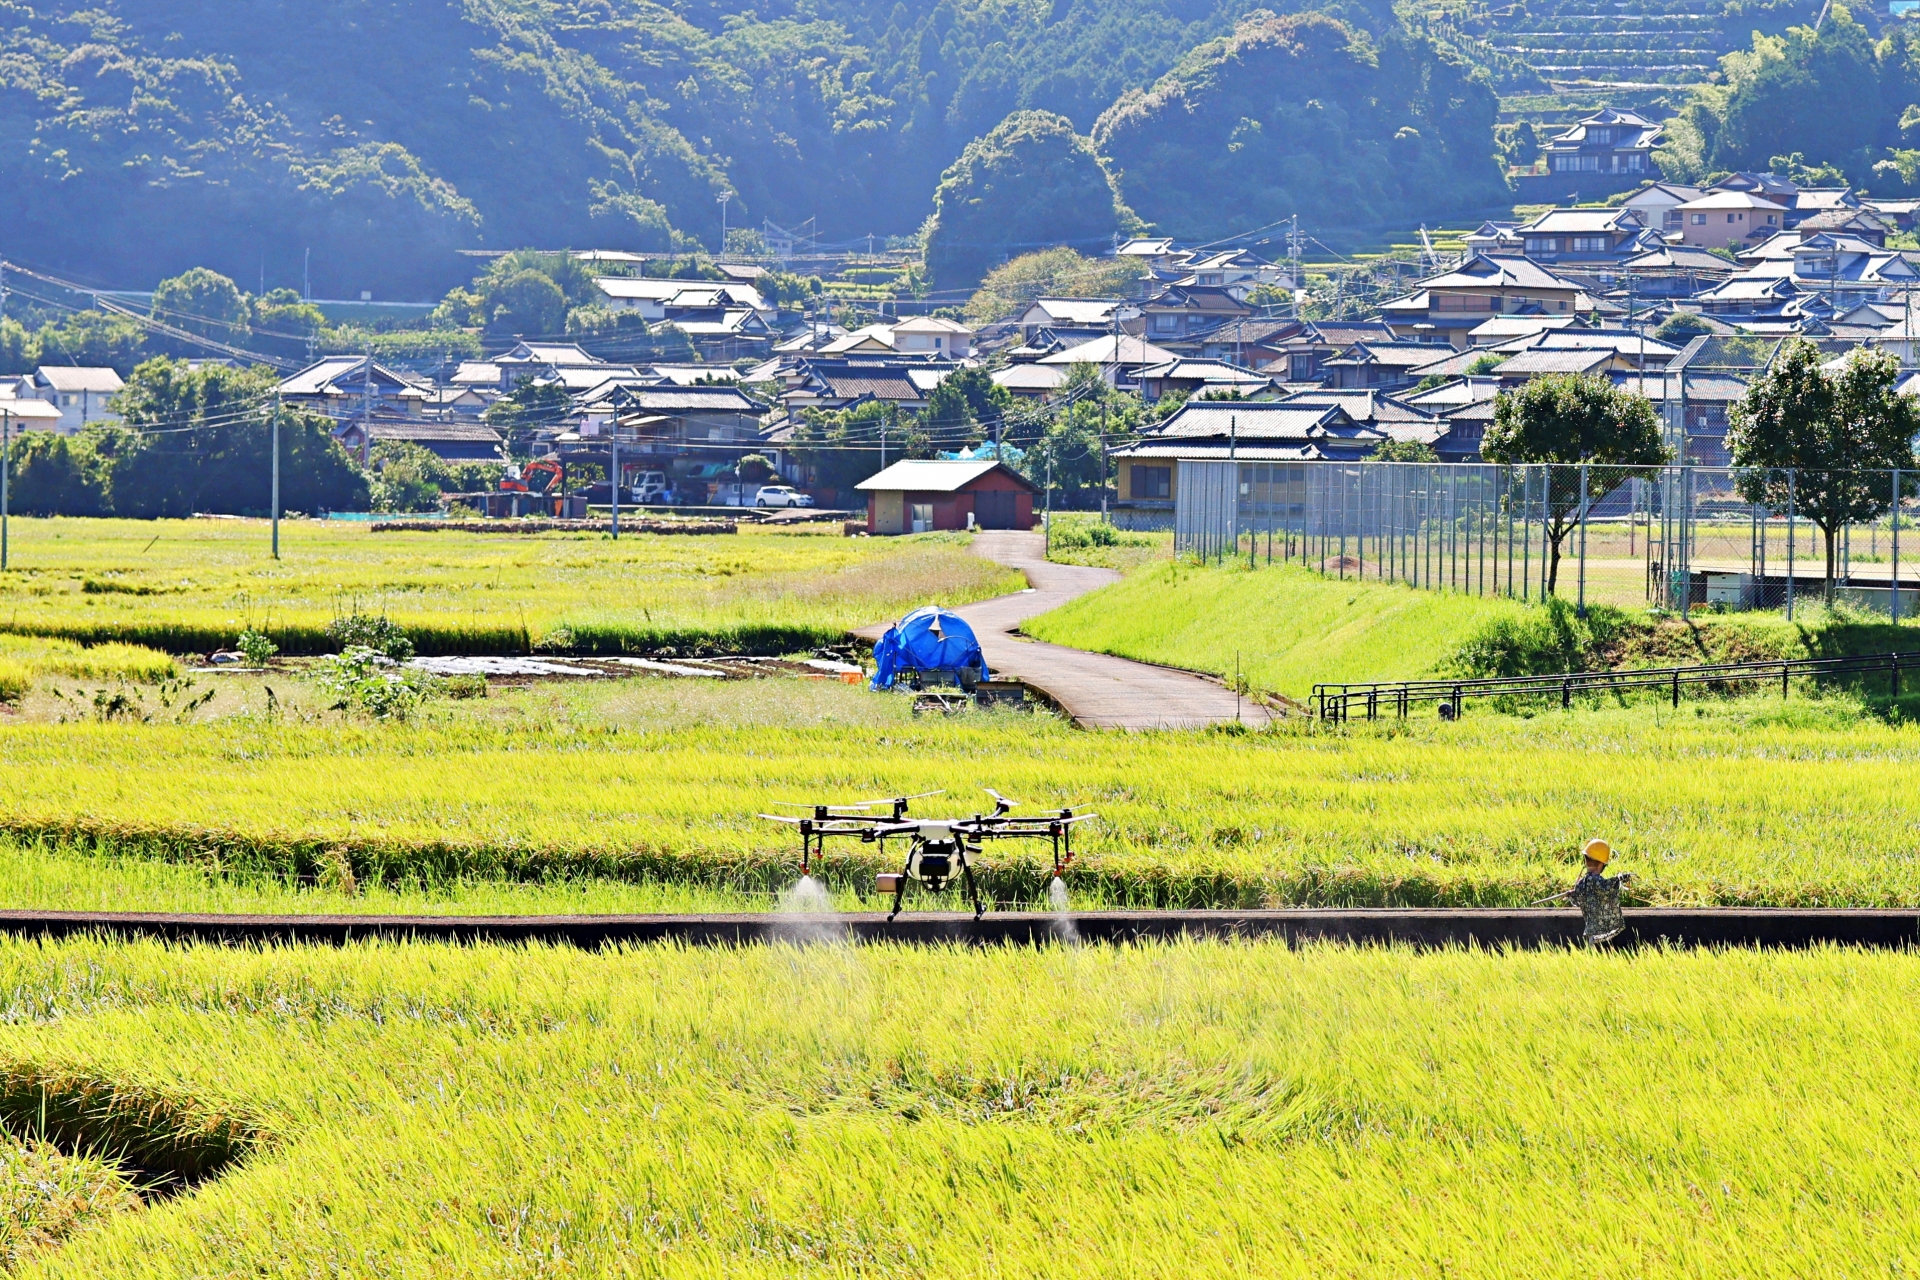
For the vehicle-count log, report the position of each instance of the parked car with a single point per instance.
(781, 495)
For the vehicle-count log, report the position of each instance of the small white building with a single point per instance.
(79, 392)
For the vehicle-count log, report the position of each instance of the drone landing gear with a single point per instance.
(938, 883)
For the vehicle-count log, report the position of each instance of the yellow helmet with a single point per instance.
(1599, 851)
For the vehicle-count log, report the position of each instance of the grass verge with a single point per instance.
(1285, 626)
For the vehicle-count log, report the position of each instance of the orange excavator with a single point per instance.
(541, 477)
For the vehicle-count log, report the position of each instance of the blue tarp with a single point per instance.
(928, 639)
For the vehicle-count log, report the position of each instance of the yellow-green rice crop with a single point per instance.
(1752, 803)
(1158, 1111)
(23, 658)
(191, 585)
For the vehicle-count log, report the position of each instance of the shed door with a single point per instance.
(889, 511)
(994, 508)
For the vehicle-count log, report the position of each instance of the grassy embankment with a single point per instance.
(1204, 1109)
(187, 586)
(1289, 627)
(578, 791)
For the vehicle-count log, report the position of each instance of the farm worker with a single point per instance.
(1598, 895)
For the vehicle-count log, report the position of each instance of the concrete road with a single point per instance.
(1099, 691)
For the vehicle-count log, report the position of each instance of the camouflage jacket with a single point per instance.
(1598, 898)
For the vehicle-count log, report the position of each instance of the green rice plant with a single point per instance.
(203, 581)
(1749, 803)
(1151, 1111)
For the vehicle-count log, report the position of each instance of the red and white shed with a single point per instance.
(921, 496)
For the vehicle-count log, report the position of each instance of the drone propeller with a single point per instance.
(1000, 803)
(795, 804)
(921, 795)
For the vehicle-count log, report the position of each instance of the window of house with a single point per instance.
(1635, 162)
(1590, 244)
(1732, 216)
(1152, 482)
(1166, 324)
(1699, 219)
(1542, 244)
(922, 517)
(1673, 219)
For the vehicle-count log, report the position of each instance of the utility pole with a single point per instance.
(723, 199)
(614, 472)
(1046, 520)
(6, 465)
(1103, 459)
(366, 411)
(276, 473)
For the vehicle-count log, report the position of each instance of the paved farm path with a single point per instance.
(1098, 690)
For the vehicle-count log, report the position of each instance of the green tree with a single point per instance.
(1049, 273)
(93, 338)
(1572, 419)
(948, 416)
(19, 353)
(965, 398)
(1823, 441)
(1030, 183)
(527, 408)
(56, 475)
(1405, 451)
(1681, 327)
(526, 304)
(843, 446)
(204, 302)
(200, 441)
(283, 313)
(403, 478)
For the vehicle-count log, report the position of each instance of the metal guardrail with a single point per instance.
(1338, 702)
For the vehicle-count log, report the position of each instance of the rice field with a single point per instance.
(1178, 1110)
(633, 783)
(190, 586)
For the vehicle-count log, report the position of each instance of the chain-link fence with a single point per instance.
(1685, 538)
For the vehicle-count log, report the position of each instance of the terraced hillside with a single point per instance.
(1639, 55)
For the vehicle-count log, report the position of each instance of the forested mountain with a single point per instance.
(138, 137)
(1304, 114)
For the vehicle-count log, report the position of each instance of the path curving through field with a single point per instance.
(1098, 690)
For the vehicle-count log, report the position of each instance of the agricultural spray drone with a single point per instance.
(939, 851)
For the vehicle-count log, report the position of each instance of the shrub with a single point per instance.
(256, 647)
(380, 634)
(1542, 641)
(360, 680)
